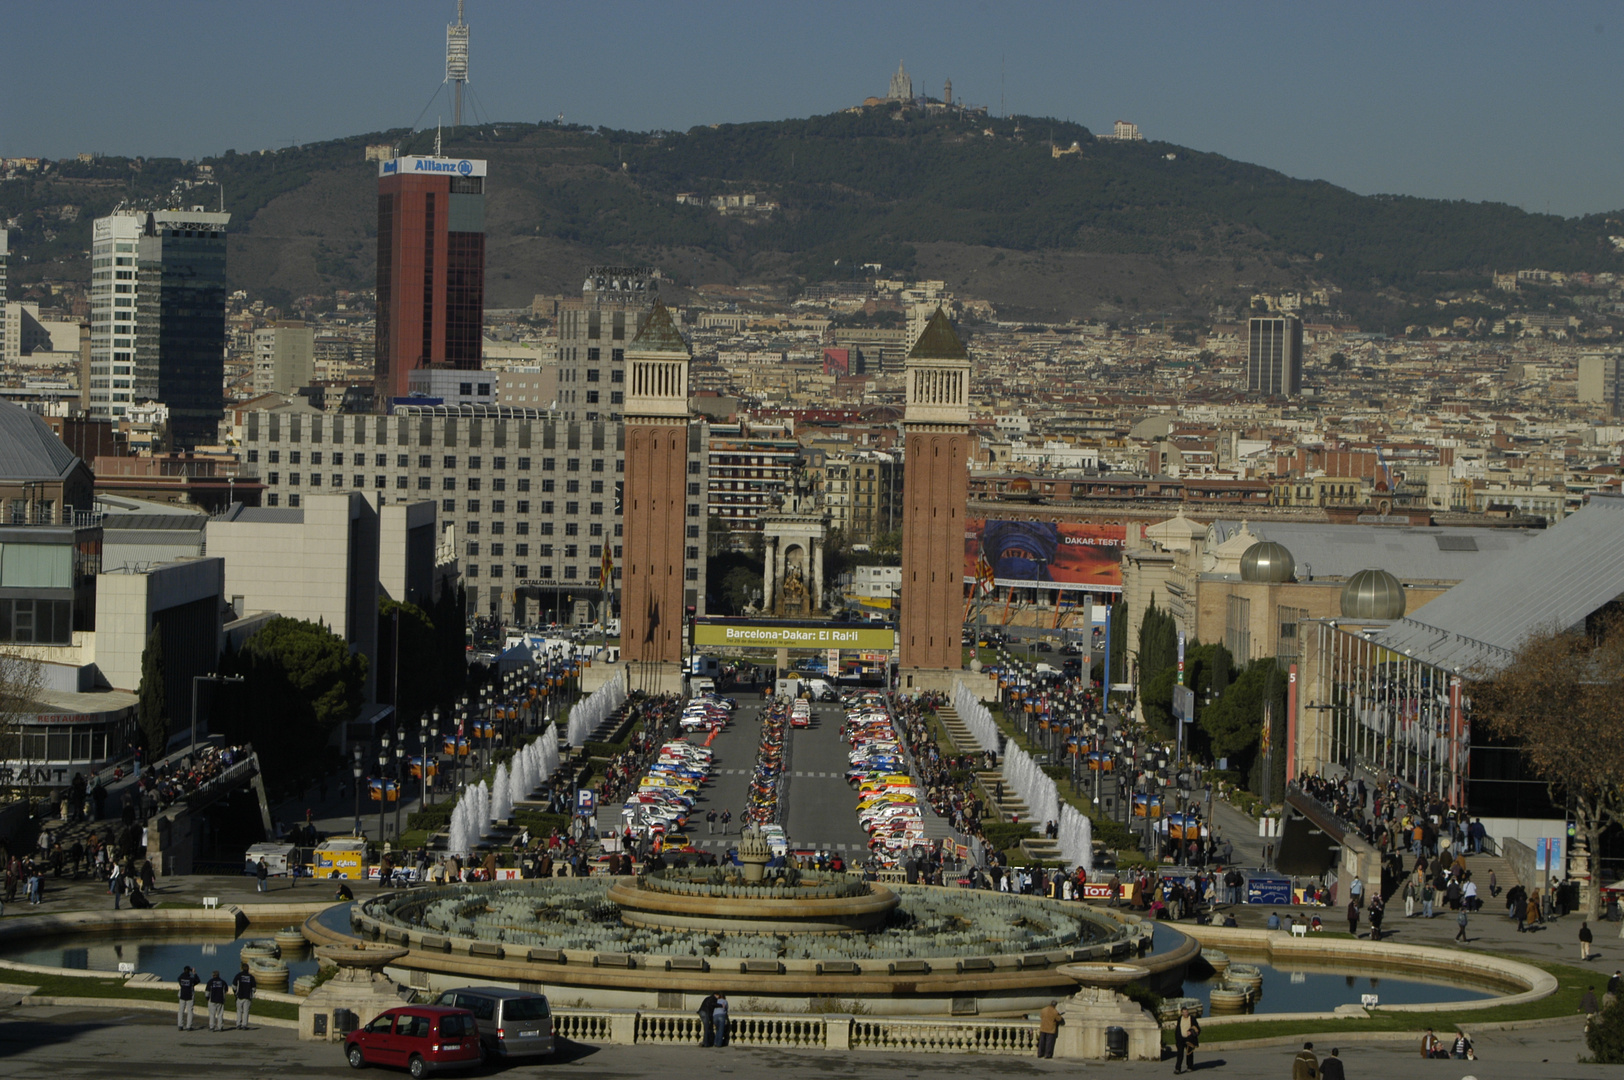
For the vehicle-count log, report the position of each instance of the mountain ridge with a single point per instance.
(1114, 228)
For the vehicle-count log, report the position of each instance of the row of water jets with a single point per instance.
(1028, 780)
(1041, 795)
(482, 804)
(976, 717)
(588, 715)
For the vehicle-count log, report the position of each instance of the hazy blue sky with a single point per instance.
(1506, 101)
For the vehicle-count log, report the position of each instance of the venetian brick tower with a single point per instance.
(654, 494)
(936, 486)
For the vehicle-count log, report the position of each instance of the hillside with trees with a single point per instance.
(982, 203)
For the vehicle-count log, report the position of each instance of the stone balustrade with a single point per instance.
(833, 1031)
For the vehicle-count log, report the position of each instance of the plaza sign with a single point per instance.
(713, 633)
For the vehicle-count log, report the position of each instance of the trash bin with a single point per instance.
(1116, 1042)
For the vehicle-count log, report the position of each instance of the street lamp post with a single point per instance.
(355, 767)
(400, 776)
(383, 784)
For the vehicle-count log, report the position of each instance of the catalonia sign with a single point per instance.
(712, 633)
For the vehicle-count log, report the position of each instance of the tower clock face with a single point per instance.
(620, 487)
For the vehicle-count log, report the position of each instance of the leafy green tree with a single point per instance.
(1232, 725)
(316, 662)
(269, 711)
(888, 545)
(1604, 1035)
(450, 620)
(1557, 698)
(739, 588)
(151, 706)
(412, 665)
(736, 576)
(1158, 643)
(1119, 641)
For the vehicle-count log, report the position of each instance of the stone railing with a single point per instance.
(668, 1028)
(585, 1025)
(834, 1031)
(790, 1031)
(1009, 1037)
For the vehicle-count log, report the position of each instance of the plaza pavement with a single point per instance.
(115, 1044)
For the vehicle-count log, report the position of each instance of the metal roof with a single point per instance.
(1556, 579)
(29, 449)
(1410, 553)
(284, 515)
(158, 523)
(659, 333)
(938, 341)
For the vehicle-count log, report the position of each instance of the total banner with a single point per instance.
(1062, 555)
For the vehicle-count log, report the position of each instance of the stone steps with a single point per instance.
(1008, 807)
(1504, 876)
(957, 730)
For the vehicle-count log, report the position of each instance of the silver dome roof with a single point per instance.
(1268, 562)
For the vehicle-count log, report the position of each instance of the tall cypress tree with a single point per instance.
(152, 707)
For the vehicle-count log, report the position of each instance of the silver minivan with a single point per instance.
(512, 1023)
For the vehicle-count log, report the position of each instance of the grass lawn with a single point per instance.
(93, 987)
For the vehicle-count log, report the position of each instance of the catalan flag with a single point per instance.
(606, 572)
(984, 582)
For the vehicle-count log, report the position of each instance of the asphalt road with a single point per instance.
(821, 808)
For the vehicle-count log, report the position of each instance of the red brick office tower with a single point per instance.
(936, 487)
(654, 494)
(431, 268)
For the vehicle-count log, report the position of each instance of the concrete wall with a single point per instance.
(406, 542)
(128, 604)
(323, 569)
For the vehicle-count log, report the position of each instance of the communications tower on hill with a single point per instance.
(456, 63)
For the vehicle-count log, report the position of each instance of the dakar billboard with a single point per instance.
(1044, 554)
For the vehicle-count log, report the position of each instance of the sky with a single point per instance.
(1504, 101)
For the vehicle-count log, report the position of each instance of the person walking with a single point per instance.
(1587, 1004)
(243, 984)
(1409, 898)
(1353, 917)
(1305, 1066)
(727, 816)
(719, 1018)
(707, 1021)
(188, 983)
(262, 872)
(115, 885)
(710, 820)
(215, 989)
(1586, 937)
(1429, 896)
(1331, 1067)
(1048, 1029)
(1187, 1035)
(1460, 922)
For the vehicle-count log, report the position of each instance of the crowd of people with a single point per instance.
(953, 800)
(104, 858)
(621, 774)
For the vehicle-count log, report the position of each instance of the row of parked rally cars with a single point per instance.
(887, 795)
(460, 1029)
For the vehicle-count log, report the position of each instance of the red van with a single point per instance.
(419, 1038)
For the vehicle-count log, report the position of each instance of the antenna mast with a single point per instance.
(456, 63)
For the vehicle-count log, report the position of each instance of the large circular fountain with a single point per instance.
(636, 941)
(721, 901)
